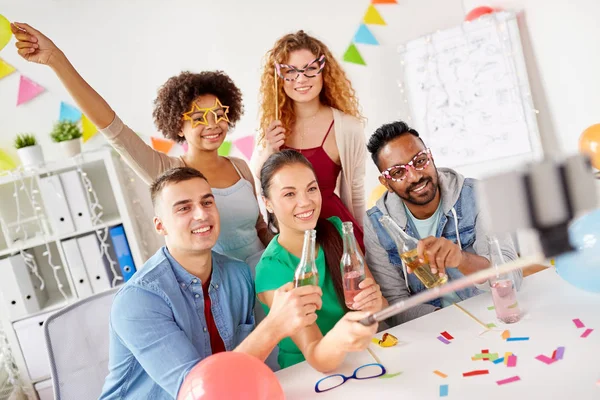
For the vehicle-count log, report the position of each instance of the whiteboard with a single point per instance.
(468, 92)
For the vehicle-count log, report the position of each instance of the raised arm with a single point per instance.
(36, 47)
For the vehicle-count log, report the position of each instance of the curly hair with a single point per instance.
(337, 90)
(177, 94)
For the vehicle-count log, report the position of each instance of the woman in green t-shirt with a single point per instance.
(293, 200)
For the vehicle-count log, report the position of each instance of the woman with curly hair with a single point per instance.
(196, 108)
(319, 117)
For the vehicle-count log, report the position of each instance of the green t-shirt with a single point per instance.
(276, 268)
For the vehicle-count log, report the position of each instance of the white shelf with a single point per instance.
(55, 302)
(38, 241)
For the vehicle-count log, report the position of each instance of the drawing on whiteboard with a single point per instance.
(468, 91)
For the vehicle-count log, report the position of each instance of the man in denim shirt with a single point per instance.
(188, 302)
(437, 206)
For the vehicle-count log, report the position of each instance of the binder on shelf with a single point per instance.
(96, 264)
(77, 200)
(20, 290)
(55, 204)
(123, 252)
(81, 280)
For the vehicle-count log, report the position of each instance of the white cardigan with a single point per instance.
(350, 139)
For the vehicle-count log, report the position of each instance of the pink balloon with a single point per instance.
(478, 12)
(231, 375)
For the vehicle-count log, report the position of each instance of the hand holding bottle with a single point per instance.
(441, 254)
(369, 298)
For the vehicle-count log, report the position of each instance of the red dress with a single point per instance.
(327, 173)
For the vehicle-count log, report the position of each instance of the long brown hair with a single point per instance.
(328, 237)
(337, 89)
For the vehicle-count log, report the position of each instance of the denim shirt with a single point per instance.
(466, 214)
(158, 331)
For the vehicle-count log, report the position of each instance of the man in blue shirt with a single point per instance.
(435, 205)
(188, 302)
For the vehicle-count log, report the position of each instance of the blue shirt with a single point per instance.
(158, 331)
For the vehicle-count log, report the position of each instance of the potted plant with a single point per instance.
(28, 150)
(68, 134)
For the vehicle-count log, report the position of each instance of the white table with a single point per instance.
(550, 304)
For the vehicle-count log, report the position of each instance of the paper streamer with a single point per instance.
(364, 36)
(353, 56)
(89, 129)
(388, 376)
(372, 17)
(245, 145)
(225, 149)
(28, 90)
(476, 372)
(498, 360)
(69, 113)
(384, 2)
(162, 145)
(546, 360)
(508, 380)
(5, 69)
(578, 323)
(517, 339)
(440, 374)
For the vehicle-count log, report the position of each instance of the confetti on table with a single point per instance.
(476, 372)
(443, 390)
(485, 351)
(443, 339)
(517, 339)
(512, 361)
(498, 360)
(491, 308)
(586, 333)
(485, 356)
(578, 323)
(559, 353)
(545, 359)
(505, 334)
(440, 374)
(387, 376)
(388, 340)
(554, 355)
(508, 380)
(491, 325)
(447, 335)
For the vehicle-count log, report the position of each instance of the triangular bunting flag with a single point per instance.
(225, 149)
(373, 17)
(162, 145)
(353, 56)
(245, 145)
(6, 69)
(384, 1)
(89, 129)
(28, 90)
(69, 113)
(364, 36)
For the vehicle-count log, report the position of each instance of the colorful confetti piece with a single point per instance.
(508, 380)
(491, 308)
(505, 334)
(440, 374)
(560, 352)
(517, 339)
(387, 376)
(586, 333)
(491, 325)
(485, 351)
(544, 359)
(515, 305)
(388, 340)
(512, 361)
(498, 360)
(578, 323)
(443, 390)
(443, 340)
(506, 355)
(447, 335)
(476, 372)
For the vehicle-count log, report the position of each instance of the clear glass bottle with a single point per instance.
(306, 272)
(352, 265)
(504, 292)
(407, 248)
